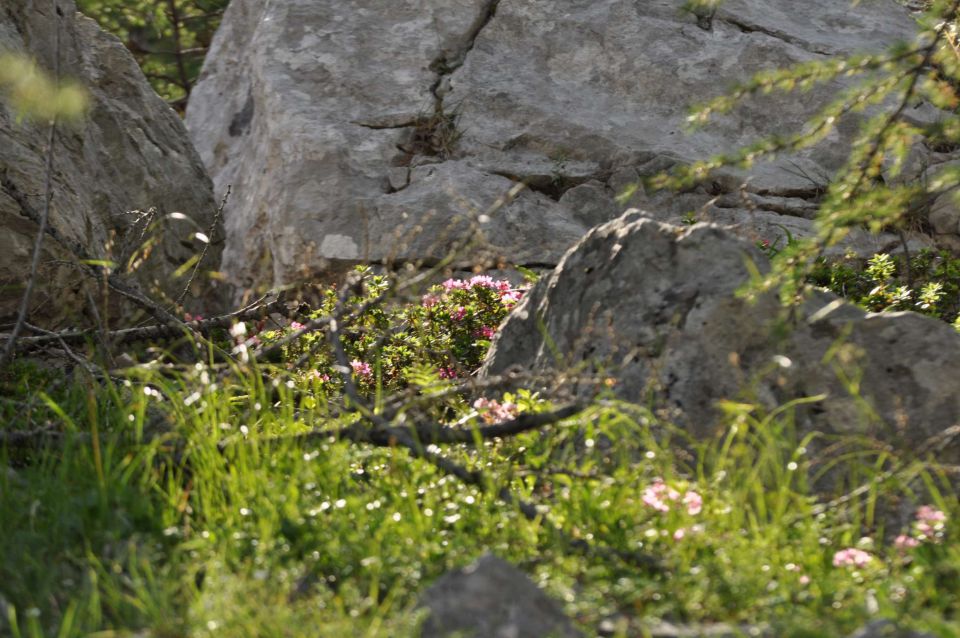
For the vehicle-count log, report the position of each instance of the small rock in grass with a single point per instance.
(492, 599)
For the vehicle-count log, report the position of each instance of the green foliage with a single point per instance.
(201, 500)
(865, 192)
(169, 38)
(931, 284)
(230, 523)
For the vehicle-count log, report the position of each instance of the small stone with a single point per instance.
(887, 629)
(491, 599)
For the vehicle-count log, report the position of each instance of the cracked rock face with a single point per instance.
(370, 131)
(323, 116)
(654, 307)
(130, 152)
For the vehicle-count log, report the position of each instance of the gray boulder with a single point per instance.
(131, 152)
(373, 131)
(324, 118)
(655, 307)
(491, 599)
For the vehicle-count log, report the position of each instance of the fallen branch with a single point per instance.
(163, 331)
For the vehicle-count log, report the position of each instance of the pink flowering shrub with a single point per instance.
(448, 329)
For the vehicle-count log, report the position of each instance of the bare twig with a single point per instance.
(206, 245)
(157, 331)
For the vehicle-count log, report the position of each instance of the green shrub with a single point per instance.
(884, 282)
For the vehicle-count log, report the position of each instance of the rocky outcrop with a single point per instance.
(378, 132)
(491, 599)
(131, 152)
(654, 307)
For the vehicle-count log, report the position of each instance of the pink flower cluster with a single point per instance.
(447, 373)
(658, 496)
(361, 369)
(492, 411)
(486, 332)
(851, 557)
(930, 522)
(509, 296)
(479, 281)
(929, 526)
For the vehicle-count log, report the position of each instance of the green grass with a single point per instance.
(137, 523)
(187, 499)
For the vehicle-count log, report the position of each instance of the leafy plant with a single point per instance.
(169, 38)
(884, 282)
(448, 331)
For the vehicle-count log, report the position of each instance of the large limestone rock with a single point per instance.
(654, 306)
(131, 152)
(375, 131)
(322, 117)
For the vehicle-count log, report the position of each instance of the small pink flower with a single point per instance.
(361, 369)
(804, 580)
(486, 332)
(296, 326)
(188, 317)
(492, 411)
(455, 284)
(511, 297)
(694, 503)
(459, 313)
(483, 281)
(679, 534)
(904, 542)
(930, 515)
(315, 374)
(930, 523)
(448, 373)
(655, 494)
(429, 301)
(851, 557)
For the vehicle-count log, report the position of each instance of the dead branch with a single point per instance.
(164, 331)
(218, 215)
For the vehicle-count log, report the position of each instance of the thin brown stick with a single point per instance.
(157, 331)
(206, 245)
